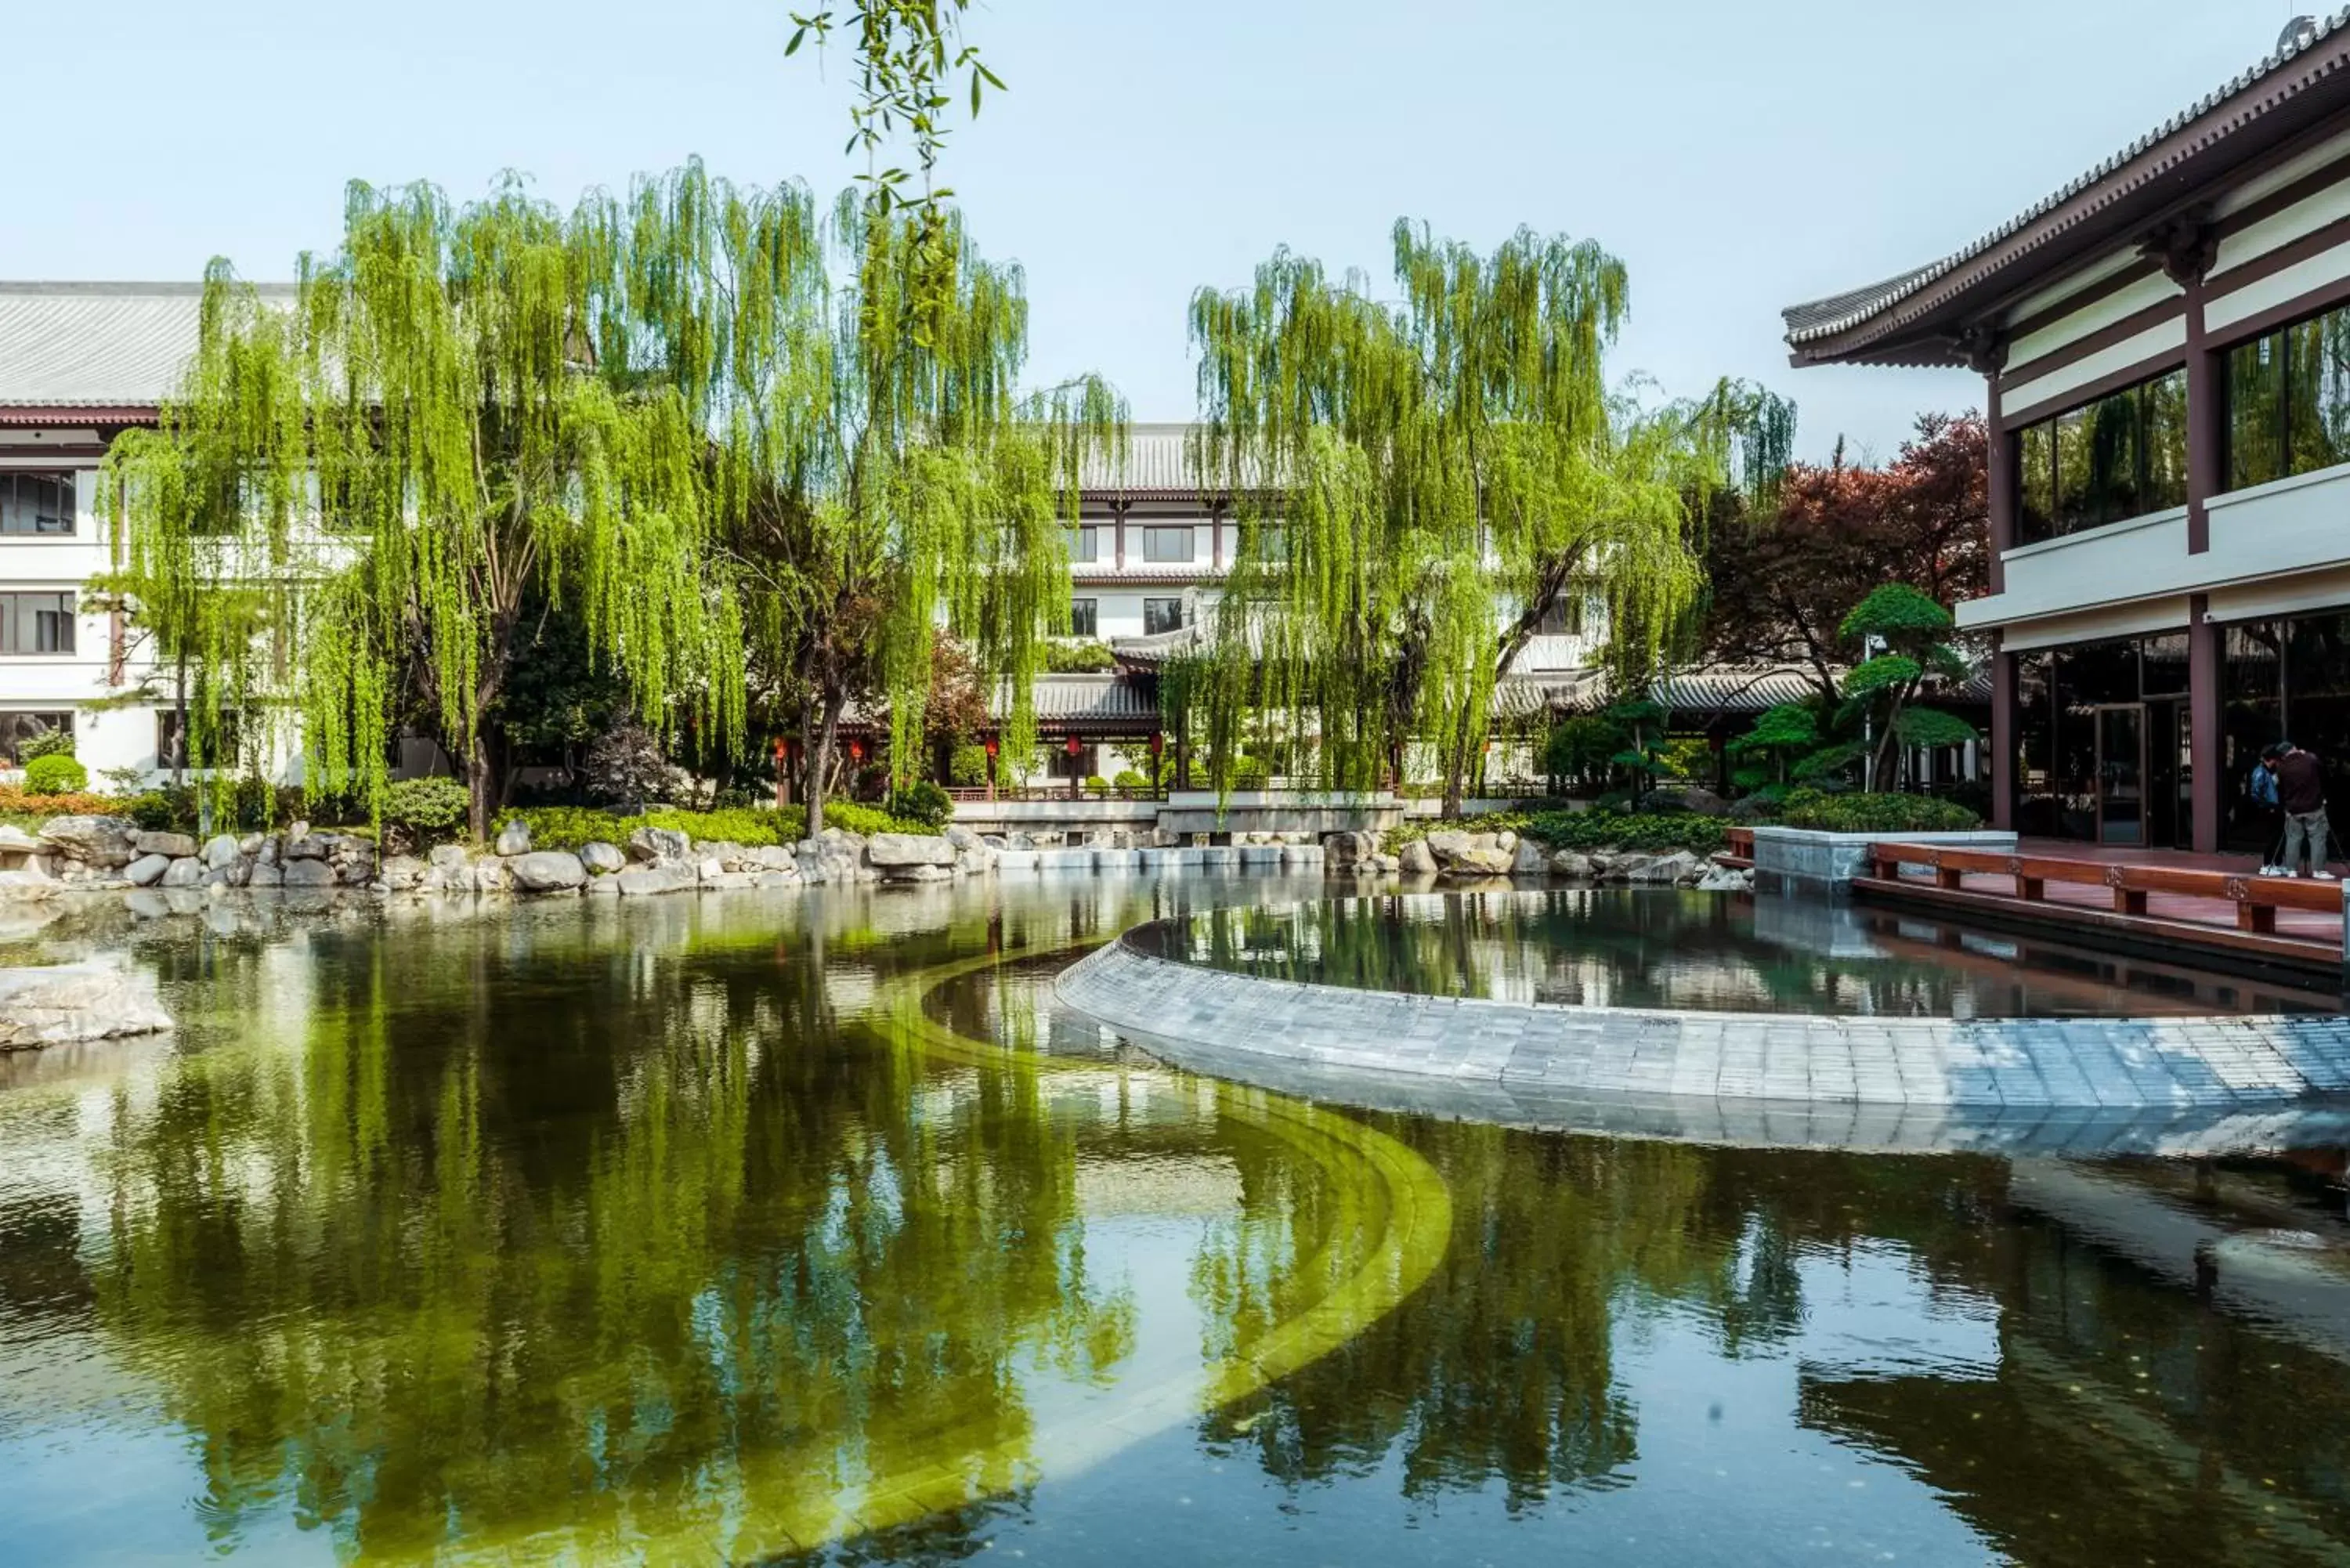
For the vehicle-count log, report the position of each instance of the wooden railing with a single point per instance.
(2256, 899)
(1055, 792)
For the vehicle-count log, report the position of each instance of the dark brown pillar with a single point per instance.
(2204, 673)
(2003, 738)
(1118, 513)
(1999, 484)
(2203, 416)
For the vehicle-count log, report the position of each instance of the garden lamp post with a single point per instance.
(993, 745)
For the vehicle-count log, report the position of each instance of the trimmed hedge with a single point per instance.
(1650, 831)
(574, 826)
(1876, 812)
(56, 774)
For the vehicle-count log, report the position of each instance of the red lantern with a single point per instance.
(856, 751)
(1158, 742)
(783, 748)
(991, 744)
(1075, 746)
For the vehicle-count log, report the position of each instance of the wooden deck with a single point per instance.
(2214, 904)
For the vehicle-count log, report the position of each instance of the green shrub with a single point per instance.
(1078, 658)
(925, 803)
(1096, 784)
(1655, 833)
(55, 742)
(1128, 779)
(152, 810)
(432, 810)
(573, 827)
(1876, 812)
(56, 773)
(1420, 827)
(967, 765)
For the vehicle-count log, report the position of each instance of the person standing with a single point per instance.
(2263, 787)
(2300, 793)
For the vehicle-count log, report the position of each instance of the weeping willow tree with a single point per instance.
(870, 485)
(1420, 480)
(351, 497)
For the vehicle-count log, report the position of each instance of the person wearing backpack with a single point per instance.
(2301, 795)
(2263, 787)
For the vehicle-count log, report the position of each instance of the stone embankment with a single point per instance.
(61, 1003)
(74, 852)
(1453, 855)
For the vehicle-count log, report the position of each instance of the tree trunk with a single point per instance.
(481, 786)
(1456, 766)
(818, 746)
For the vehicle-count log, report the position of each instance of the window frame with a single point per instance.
(1153, 532)
(14, 480)
(10, 723)
(14, 616)
(1085, 543)
(2042, 506)
(2278, 462)
(1085, 617)
(1149, 605)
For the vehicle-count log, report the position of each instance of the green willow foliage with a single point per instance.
(347, 499)
(1396, 467)
(693, 412)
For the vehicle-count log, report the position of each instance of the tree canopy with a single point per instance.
(1397, 465)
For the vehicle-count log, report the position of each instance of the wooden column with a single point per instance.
(2186, 248)
(1998, 474)
(1117, 511)
(2002, 739)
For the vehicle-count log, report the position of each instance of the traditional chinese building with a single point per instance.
(2164, 345)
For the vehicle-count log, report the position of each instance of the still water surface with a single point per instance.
(747, 1229)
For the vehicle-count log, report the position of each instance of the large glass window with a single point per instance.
(1085, 545)
(35, 502)
(1084, 615)
(36, 623)
(2289, 400)
(1162, 615)
(18, 727)
(1167, 544)
(2123, 456)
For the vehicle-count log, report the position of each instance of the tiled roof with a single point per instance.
(96, 345)
(1107, 577)
(2321, 53)
(1106, 699)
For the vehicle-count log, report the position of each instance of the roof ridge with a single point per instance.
(1810, 320)
(123, 288)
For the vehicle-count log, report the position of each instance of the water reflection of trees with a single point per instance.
(1601, 947)
(622, 1251)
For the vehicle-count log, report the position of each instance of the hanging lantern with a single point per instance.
(856, 751)
(992, 745)
(783, 748)
(1158, 742)
(1075, 745)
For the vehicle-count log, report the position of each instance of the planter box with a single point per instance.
(1808, 860)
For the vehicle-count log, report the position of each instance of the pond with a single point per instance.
(749, 1228)
(1662, 947)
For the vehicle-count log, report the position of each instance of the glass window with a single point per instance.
(2036, 490)
(36, 623)
(2289, 400)
(1565, 616)
(1167, 544)
(18, 727)
(1162, 615)
(1084, 616)
(2162, 664)
(35, 502)
(2120, 457)
(1085, 545)
(2255, 412)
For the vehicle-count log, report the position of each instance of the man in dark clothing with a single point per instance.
(2300, 793)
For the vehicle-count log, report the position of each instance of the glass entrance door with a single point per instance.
(2121, 773)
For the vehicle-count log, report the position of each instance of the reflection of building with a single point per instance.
(2164, 342)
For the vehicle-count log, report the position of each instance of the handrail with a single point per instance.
(2257, 899)
(964, 794)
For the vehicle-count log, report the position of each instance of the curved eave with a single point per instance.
(1917, 318)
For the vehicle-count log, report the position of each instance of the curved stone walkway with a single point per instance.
(2168, 1084)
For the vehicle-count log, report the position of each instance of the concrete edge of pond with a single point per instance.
(2075, 1085)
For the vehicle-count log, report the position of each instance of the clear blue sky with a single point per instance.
(1737, 156)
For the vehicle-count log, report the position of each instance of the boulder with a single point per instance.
(266, 874)
(925, 872)
(892, 851)
(962, 838)
(490, 875)
(106, 841)
(602, 859)
(1417, 859)
(1448, 844)
(250, 844)
(306, 846)
(1476, 862)
(1527, 859)
(26, 884)
(172, 846)
(1663, 869)
(297, 828)
(68, 1002)
(1752, 808)
(272, 852)
(547, 871)
(308, 871)
(1724, 880)
(14, 840)
(709, 867)
(1506, 839)
(220, 852)
(655, 844)
(185, 872)
(659, 877)
(1570, 862)
(147, 870)
(512, 839)
(403, 873)
(446, 856)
